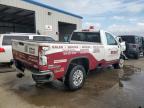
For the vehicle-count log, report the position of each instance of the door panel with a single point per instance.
(112, 49)
(112, 52)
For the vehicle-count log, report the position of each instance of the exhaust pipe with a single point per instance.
(19, 75)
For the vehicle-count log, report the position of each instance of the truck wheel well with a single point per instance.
(81, 61)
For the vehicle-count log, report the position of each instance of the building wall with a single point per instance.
(42, 18)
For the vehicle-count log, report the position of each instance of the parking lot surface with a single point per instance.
(104, 88)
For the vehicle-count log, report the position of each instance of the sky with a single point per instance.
(111, 15)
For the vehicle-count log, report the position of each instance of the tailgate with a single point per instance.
(26, 52)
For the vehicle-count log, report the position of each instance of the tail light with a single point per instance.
(42, 56)
(134, 46)
(2, 50)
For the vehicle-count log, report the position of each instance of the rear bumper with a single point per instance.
(5, 59)
(129, 53)
(43, 76)
(37, 75)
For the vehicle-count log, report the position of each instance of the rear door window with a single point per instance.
(93, 37)
(86, 37)
(7, 40)
(78, 36)
(42, 38)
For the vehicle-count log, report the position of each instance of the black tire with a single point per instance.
(10, 64)
(119, 65)
(70, 82)
(136, 56)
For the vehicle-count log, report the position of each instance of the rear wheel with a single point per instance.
(75, 78)
(120, 64)
(136, 56)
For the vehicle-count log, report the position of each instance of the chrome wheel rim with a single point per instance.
(78, 77)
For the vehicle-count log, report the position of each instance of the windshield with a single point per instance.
(42, 38)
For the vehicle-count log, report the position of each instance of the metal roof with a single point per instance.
(52, 8)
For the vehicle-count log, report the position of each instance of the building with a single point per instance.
(29, 16)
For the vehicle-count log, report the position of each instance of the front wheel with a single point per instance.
(75, 78)
(120, 64)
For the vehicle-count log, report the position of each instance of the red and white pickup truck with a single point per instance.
(70, 61)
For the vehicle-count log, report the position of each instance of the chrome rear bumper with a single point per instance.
(43, 76)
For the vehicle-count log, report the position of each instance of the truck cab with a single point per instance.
(101, 37)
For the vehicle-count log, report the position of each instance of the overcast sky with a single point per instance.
(112, 15)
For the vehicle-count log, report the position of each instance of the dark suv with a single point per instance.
(143, 44)
(134, 45)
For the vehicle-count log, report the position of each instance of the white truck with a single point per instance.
(6, 48)
(71, 61)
